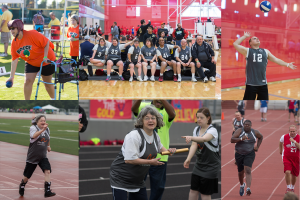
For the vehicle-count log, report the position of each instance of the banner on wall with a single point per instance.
(110, 109)
(156, 8)
(130, 11)
(186, 110)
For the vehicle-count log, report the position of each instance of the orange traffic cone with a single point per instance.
(222, 117)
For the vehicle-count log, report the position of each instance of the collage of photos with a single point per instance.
(134, 100)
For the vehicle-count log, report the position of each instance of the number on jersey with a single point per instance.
(99, 54)
(148, 53)
(114, 52)
(184, 57)
(136, 56)
(165, 55)
(293, 149)
(259, 57)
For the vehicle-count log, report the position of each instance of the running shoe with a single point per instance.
(179, 79)
(152, 78)
(175, 78)
(121, 78)
(194, 79)
(262, 119)
(160, 79)
(145, 78)
(205, 80)
(292, 190)
(48, 192)
(108, 78)
(139, 79)
(242, 189)
(248, 192)
(287, 190)
(22, 188)
(213, 79)
(131, 78)
(3, 54)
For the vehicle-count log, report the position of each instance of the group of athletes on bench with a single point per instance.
(109, 54)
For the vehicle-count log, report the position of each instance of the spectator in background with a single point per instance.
(54, 22)
(5, 33)
(38, 19)
(115, 31)
(86, 48)
(85, 30)
(155, 30)
(150, 35)
(128, 32)
(162, 28)
(73, 36)
(97, 26)
(80, 30)
(119, 32)
(179, 34)
(137, 31)
(142, 31)
(263, 109)
(99, 31)
(162, 35)
(291, 106)
(204, 56)
(171, 30)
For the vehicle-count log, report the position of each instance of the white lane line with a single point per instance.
(6, 196)
(276, 188)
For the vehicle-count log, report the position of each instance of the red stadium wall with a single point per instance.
(275, 32)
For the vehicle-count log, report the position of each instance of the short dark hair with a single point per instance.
(115, 23)
(248, 121)
(148, 39)
(150, 27)
(101, 39)
(206, 113)
(123, 38)
(136, 40)
(161, 33)
(116, 39)
(142, 21)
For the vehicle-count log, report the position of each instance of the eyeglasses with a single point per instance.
(148, 118)
(11, 28)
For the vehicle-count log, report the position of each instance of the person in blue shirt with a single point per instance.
(86, 48)
(296, 108)
(263, 109)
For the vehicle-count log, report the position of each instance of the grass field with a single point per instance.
(16, 92)
(63, 135)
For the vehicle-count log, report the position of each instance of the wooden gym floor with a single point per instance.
(94, 89)
(279, 90)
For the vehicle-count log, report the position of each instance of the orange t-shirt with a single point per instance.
(32, 45)
(74, 46)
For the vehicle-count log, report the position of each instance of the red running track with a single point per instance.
(267, 171)
(64, 176)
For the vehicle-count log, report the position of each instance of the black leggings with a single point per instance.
(74, 57)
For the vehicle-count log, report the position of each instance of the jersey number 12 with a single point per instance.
(259, 57)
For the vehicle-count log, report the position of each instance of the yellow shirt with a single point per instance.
(7, 16)
(54, 22)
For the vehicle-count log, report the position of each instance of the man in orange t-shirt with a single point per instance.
(73, 35)
(34, 48)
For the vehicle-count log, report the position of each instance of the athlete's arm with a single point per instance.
(46, 49)
(36, 134)
(297, 144)
(259, 141)
(170, 110)
(206, 138)
(128, 43)
(192, 152)
(93, 56)
(233, 124)
(280, 148)
(129, 57)
(278, 61)
(245, 101)
(135, 107)
(14, 65)
(2, 23)
(139, 58)
(235, 137)
(154, 58)
(48, 147)
(241, 49)
(140, 161)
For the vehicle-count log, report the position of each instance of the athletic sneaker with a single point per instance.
(121, 78)
(139, 79)
(131, 78)
(152, 78)
(175, 78)
(48, 192)
(287, 190)
(242, 189)
(108, 78)
(248, 192)
(206, 70)
(3, 54)
(194, 79)
(22, 188)
(161, 78)
(292, 190)
(145, 78)
(212, 79)
(262, 119)
(205, 80)
(179, 79)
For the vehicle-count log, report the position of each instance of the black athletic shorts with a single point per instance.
(244, 160)
(261, 92)
(204, 185)
(29, 169)
(291, 110)
(147, 61)
(47, 70)
(134, 63)
(242, 112)
(114, 61)
(168, 59)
